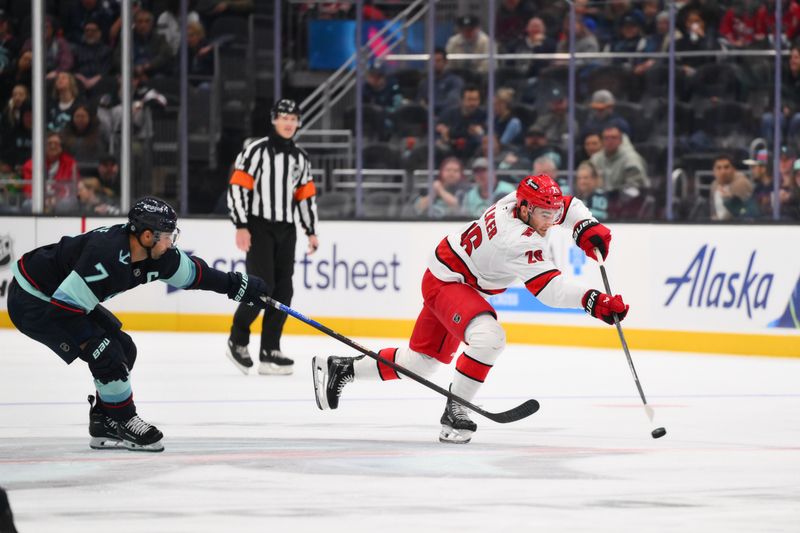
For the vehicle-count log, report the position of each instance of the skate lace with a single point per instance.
(137, 425)
(347, 378)
(459, 412)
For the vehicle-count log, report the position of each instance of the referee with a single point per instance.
(271, 186)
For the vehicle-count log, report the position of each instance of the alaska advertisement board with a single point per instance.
(715, 279)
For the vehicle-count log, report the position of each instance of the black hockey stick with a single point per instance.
(647, 408)
(512, 415)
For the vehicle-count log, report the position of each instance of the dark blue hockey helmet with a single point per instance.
(154, 214)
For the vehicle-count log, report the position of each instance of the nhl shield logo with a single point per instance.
(5, 250)
(64, 347)
(457, 318)
(137, 272)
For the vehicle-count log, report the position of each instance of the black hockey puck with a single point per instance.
(658, 433)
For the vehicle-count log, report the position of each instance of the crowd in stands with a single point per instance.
(724, 104)
(83, 96)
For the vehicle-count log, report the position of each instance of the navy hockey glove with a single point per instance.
(106, 358)
(589, 235)
(603, 306)
(247, 289)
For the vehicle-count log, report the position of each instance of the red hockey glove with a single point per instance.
(603, 306)
(589, 235)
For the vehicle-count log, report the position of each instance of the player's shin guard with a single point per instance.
(485, 340)
(419, 363)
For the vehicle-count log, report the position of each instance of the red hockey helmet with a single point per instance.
(540, 191)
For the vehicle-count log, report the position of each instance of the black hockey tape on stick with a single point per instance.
(519, 412)
(647, 408)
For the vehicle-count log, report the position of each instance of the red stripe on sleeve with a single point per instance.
(386, 372)
(472, 368)
(537, 283)
(25, 273)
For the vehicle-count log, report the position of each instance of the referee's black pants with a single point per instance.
(271, 257)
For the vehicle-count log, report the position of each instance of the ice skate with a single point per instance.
(330, 375)
(139, 436)
(273, 362)
(239, 356)
(457, 428)
(102, 429)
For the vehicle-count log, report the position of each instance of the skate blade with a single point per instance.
(243, 369)
(105, 443)
(153, 447)
(455, 436)
(271, 369)
(318, 375)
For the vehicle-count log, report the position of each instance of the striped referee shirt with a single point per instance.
(271, 180)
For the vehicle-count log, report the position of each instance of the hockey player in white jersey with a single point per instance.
(484, 257)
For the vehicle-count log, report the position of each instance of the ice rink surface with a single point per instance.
(255, 454)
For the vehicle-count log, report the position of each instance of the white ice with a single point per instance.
(253, 453)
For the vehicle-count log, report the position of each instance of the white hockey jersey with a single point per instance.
(493, 252)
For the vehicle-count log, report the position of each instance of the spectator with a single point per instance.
(23, 72)
(545, 165)
(791, 209)
(460, 128)
(505, 158)
(16, 144)
(731, 194)
(507, 126)
(510, 23)
(591, 145)
(738, 25)
(210, 10)
(628, 39)
(589, 189)
(536, 146)
(12, 113)
(201, 60)
(553, 122)
(621, 166)
(695, 37)
(65, 99)
(93, 58)
(470, 39)
(93, 200)
(9, 50)
(381, 91)
(59, 53)
(168, 24)
(790, 25)
(447, 191)
(102, 13)
(785, 162)
(610, 17)
(447, 85)
(61, 171)
(477, 199)
(650, 11)
(84, 137)
(602, 114)
(762, 182)
(790, 102)
(151, 53)
(108, 174)
(659, 41)
(585, 40)
(535, 41)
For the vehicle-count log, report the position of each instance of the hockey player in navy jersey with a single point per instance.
(55, 299)
(484, 257)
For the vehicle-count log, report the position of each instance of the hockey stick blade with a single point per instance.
(512, 415)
